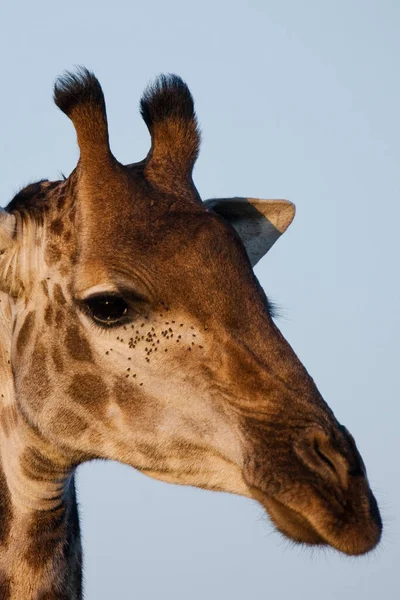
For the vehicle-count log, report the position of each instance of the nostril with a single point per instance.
(323, 457)
(319, 455)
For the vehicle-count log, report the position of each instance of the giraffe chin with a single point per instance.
(300, 529)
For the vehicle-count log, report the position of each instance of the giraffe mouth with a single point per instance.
(351, 536)
(289, 522)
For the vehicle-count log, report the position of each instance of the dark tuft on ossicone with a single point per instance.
(78, 88)
(168, 97)
(80, 97)
(167, 108)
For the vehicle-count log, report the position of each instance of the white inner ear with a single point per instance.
(259, 223)
(258, 235)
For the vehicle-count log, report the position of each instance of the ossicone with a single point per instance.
(80, 97)
(167, 108)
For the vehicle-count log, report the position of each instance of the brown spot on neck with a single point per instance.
(53, 254)
(48, 314)
(57, 227)
(58, 294)
(53, 543)
(5, 586)
(25, 332)
(38, 382)
(59, 319)
(58, 360)
(8, 418)
(5, 509)
(67, 236)
(46, 533)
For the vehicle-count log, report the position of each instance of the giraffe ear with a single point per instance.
(7, 243)
(259, 223)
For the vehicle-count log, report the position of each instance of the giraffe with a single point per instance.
(134, 329)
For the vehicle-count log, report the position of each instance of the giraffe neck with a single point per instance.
(40, 551)
(40, 548)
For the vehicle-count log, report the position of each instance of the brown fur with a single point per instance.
(58, 359)
(39, 383)
(89, 390)
(5, 510)
(8, 419)
(57, 227)
(58, 294)
(68, 423)
(48, 314)
(25, 331)
(53, 254)
(5, 586)
(77, 345)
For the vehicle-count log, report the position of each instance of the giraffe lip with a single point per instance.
(290, 523)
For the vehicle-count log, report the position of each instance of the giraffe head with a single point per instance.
(137, 331)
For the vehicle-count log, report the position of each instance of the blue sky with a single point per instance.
(297, 100)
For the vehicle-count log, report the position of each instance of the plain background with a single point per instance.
(297, 100)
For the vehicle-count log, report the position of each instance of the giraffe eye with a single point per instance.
(107, 309)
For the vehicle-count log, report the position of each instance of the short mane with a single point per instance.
(32, 198)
